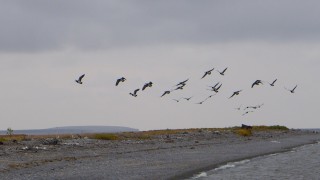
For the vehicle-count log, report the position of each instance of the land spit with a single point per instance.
(163, 156)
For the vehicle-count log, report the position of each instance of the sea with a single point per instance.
(299, 163)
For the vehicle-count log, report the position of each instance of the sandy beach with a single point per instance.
(174, 156)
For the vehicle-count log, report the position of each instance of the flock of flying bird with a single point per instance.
(215, 88)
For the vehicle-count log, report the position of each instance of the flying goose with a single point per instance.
(177, 100)
(292, 90)
(257, 82)
(80, 78)
(235, 93)
(272, 84)
(247, 112)
(188, 98)
(149, 84)
(222, 73)
(166, 92)
(217, 89)
(120, 80)
(207, 73)
(183, 83)
(213, 87)
(134, 94)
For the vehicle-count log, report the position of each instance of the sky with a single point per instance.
(46, 45)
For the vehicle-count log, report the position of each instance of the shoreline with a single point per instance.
(174, 156)
(192, 174)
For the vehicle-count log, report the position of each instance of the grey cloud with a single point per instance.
(49, 25)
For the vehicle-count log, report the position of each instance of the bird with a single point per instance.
(179, 88)
(149, 84)
(247, 112)
(222, 73)
(292, 90)
(188, 98)
(252, 107)
(201, 102)
(80, 78)
(183, 83)
(166, 92)
(235, 93)
(177, 100)
(217, 89)
(122, 79)
(134, 94)
(272, 84)
(257, 82)
(213, 87)
(207, 73)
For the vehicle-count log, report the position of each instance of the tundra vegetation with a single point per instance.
(145, 135)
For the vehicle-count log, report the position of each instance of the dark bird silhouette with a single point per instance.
(134, 94)
(213, 87)
(247, 112)
(217, 89)
(120, 80)
(272, 84)
(257, 82)
(235, 93)
(207, 73)
(166, 92)
(292, 90)
(179, 88)
(177, 100)
(183, 83)
(201, 102)
(149, 84)
(222, 73)
(80, 79)
(252, 107)
(188, 98)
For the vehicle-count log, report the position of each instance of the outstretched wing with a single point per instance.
(294, 87)
(118, 81)
(80, 78)
(204, 75)
(135, 91)
(224, 70)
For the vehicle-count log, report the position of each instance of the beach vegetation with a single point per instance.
(244, 132)
(266, 128)
(106, 136)
(17, 137)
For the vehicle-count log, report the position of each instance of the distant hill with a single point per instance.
(73, 130)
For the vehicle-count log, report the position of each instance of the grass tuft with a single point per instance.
(244, 132)
(107, 136)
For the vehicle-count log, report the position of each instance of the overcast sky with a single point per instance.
(46, 45)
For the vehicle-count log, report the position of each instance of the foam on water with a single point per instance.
(222, 167)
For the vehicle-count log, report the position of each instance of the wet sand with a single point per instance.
(177, 156)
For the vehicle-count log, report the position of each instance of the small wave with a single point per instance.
(232, 164)
(200, 175)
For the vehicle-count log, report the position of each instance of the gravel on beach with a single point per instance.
(174, 156)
